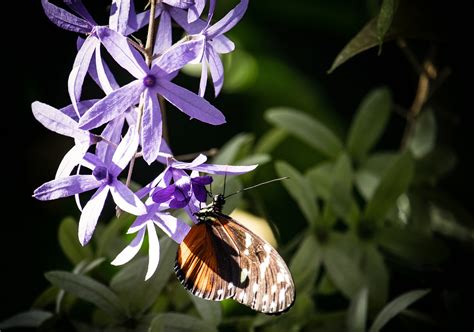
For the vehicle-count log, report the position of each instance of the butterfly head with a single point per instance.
(218, 202)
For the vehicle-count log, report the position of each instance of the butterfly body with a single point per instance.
(220, 258)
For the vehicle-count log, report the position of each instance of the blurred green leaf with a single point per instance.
(394, 182)
(320, 178)
(254, 159)
(31, 318)
(174, 322)
(369, 123)
(437, 163)
(130, 285)
(306, 128)
(377, 274)
(357, 313)
(423, 140)
(414, 247)
(369, 173)
(270, 140)
(47, 297)
(241, 71)
(341, 187)
(446, 223)
(305, 264)
(343, 270)
(395, 307)
(69, 242)
(109, 243)
(326, 286)
(89, 290)
(384, 19)
(230, 151)
(210, 311)
(300, 190)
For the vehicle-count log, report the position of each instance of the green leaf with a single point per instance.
(343, 270)
(299, 189)
(69, 242)
(446, 223)
(173, 322)
(320, 178)
(384, 20)
(210, 311)
(341, 187)
(230, 151)
(437, 163)
(395, 307)
(241, 73)
(423, 140)
(89, 290)
(377, 275)
(270, 140)
(47, 297)
(394, 182)
(130, 285)
(305, 264)
(32, 318)
(369, 122)
(254, 159)
(306, 128)
(414, 247)
(109, 243)
(357, 314)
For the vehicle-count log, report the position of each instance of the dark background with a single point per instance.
(302, 37)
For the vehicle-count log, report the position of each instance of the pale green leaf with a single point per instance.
(69, 242)
(424, 136)
(305, 264)
(357, 313)
(174, 322)
(32, 318)
(210, 311)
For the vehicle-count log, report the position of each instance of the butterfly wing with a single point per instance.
(207, 264)
(265, 281)
(220, 259)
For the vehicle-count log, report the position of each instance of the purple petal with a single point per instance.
(81, 10)
(91, 161)
(83, 106)
(194, 12)
(183, 189)
(138, 21)
(90, 215)
(190, 103)
(71, 159)
(163, 195)
(151, 127)
(183, 4)
(163, 40)
(153, 250)
(64, 19)
(178, 204)
(203, 80)
(202, 180)
(119, 13)
(112, 105)
(224, 169)
(125, 151)
(131, 250)
(179, 55)
(221, 44)
(56, 121)
(80, 68)
(200, 192)
(119, 48)
(216, 68)
(126, 199)
(101, 74)
(65, 187)
(229, 21)
(183, 165)
(112, 133)
(181, 17)
(175, 228)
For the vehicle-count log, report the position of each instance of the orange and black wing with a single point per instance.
(206, 264)
(265, 282)
(221, 258)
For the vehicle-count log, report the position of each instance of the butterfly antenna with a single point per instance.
(209, 193)
(258, 185)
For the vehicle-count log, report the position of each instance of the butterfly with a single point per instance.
(220, 258)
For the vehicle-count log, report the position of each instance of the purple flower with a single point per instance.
(172, 226)
(180, 190)
(150, 82)
(104, 178)
(57, 121)
(215, 41)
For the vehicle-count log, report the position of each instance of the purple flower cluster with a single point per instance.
(110, 133)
